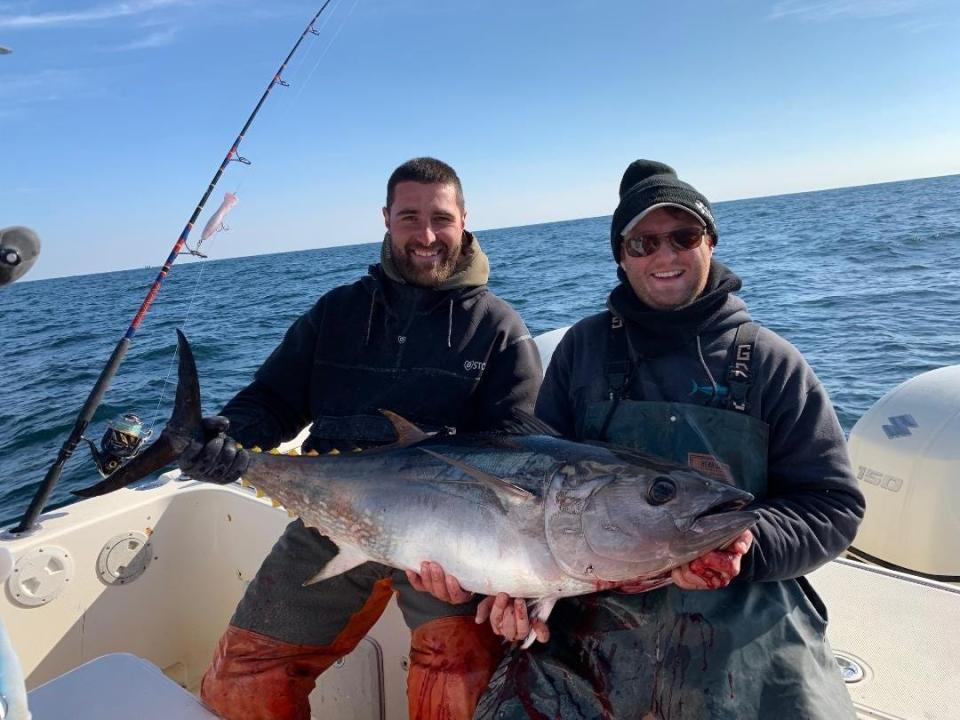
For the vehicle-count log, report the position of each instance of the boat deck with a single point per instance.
(204, 543)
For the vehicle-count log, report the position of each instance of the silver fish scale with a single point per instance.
(456, 502)
(405, 507)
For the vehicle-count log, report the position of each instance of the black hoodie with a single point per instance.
(813, 505)
(459, 357)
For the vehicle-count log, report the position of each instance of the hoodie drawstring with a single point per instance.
(703, 362)
(373, 302)
(373, 305)
(450, 326)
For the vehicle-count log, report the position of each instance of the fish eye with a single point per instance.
(662, 490)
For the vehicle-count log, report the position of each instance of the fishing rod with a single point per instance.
(123, 440)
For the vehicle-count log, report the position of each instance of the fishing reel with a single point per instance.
(121, 441)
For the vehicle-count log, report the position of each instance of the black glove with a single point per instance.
(218, 459)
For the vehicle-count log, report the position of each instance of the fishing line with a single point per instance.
(290, 101)
(329, 44)
(296, 73)
(287, 104)
(173, 357)
(118, 434)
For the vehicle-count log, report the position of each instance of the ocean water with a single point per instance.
(865, 281)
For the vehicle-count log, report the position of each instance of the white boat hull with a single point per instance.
(206, 543)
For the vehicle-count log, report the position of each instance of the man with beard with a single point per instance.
(676, 368)
(420, 335)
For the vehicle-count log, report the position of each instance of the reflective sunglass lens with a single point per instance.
(687, 238)
(641, 245)
(681, 239)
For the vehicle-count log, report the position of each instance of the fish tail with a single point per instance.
(183, 428)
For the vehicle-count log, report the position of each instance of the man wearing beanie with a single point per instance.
(423, 336)
(676, 368)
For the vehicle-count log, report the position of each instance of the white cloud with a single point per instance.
(832, 9)
(92, 14)
(153, 40)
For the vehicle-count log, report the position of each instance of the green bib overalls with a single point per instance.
(749, 650)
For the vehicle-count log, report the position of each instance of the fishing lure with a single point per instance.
(215, 223)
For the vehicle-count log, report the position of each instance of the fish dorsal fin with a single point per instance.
(503, 489)
(407, 432)
(523, 423)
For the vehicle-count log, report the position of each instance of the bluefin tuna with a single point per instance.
(529, 514)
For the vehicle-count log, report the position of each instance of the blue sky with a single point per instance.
(115, 115)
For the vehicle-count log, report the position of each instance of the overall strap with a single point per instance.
(617, 369)
(740, 373)
(618, 366)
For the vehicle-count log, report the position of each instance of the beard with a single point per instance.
(416, 273)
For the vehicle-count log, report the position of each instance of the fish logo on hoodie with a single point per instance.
(719, 391)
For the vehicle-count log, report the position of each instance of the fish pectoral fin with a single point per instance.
(407, 432)
(523, 423)
(538, 609)
(541, 608)
(346, 559)
(503, 489)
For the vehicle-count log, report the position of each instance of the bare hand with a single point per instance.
(508, 618)
(715, 569)
(432, 579)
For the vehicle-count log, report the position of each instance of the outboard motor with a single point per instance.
(905, 452)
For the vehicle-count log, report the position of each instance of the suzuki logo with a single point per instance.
(900, 426)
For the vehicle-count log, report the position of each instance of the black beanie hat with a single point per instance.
(647, 184)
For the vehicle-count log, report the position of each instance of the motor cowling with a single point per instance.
(905, 452)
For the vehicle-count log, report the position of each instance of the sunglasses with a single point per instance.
(680, 239)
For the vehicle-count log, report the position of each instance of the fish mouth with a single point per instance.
(717, 524)
(726, 518)
(729, 506)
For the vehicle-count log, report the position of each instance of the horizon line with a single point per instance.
(494, 229)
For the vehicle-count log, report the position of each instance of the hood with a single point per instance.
(714, 312)
(401, 299)
(473, 268)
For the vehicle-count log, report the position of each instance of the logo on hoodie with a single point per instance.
(720, 391)
(469, 365)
